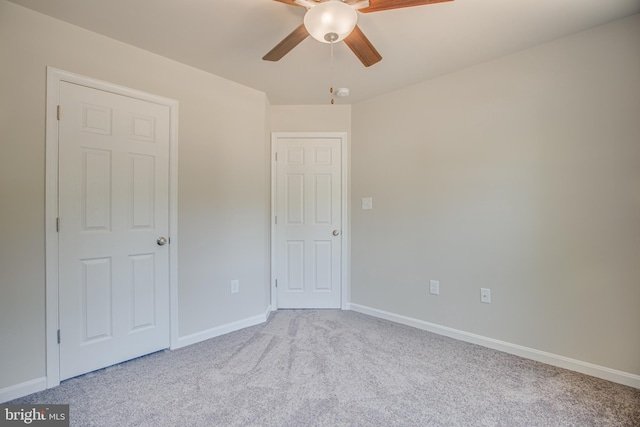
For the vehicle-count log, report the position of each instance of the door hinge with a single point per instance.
(58, 224)
(276, 283)
(58, 336)
(276, 219)
(58, 113)
(276, 157)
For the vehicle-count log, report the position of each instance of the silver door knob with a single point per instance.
(336, 232)
(161, 241)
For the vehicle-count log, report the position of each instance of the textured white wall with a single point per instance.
(311, 118)
(223, 180)
(521, 175)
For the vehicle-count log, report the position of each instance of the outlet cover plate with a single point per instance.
(235, 286)
(434, 287)
(367, 203)
(485, 295)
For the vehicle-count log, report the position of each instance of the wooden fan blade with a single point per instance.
(378, 5)
(289, 42)
(362, 47)
(289, 2)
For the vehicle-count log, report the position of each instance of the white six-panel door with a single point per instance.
(113, 208)
(308, 229)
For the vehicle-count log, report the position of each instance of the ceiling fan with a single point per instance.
(331, 21)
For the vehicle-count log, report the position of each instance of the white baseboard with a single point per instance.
(22, 389)
(221, 330)
(603, 372)
(39, 384)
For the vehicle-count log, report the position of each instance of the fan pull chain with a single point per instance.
(331, 75)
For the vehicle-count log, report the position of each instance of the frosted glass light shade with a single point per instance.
(330, 21)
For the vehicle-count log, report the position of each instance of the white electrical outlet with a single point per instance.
(367, 203)
(235, 286)
(485, 295)
(434, 287)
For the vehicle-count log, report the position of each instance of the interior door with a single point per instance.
(308, 222)
(114, 223)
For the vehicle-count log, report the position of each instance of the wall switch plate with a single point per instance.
(485, 295)
(434, 287)
(235, 286)
(367, 203)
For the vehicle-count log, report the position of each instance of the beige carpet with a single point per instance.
(339, 368)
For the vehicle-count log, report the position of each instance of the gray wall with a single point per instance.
(223, 180)
(311, 118)
(521, 175)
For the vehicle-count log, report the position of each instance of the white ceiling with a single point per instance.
(229, 38)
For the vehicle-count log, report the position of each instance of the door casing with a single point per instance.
(345, 209)
(54, 79)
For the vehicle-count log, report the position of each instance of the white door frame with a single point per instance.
(54, 78)
(345, 293)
